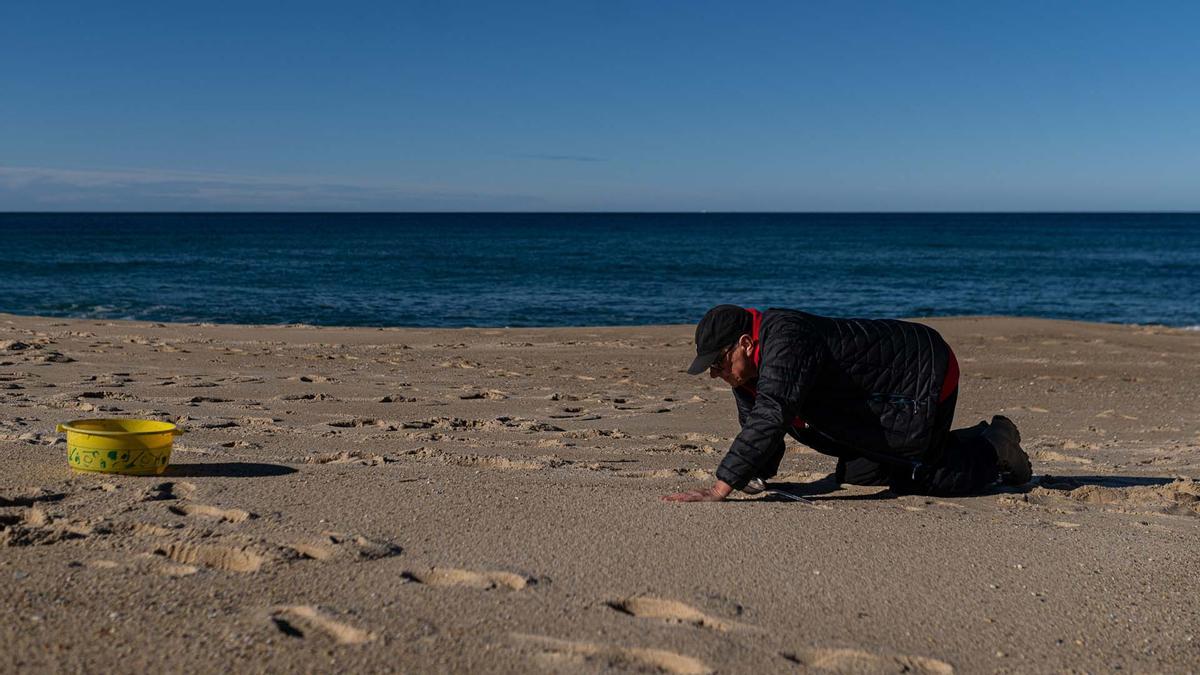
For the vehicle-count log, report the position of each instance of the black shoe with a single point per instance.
(1012, 461)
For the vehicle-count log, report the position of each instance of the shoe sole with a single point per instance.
(755, 486)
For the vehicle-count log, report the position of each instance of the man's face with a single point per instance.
(736, 367)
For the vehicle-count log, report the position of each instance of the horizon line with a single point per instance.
(613, 212)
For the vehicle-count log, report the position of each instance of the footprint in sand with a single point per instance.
(460, 363)
(157, 565)
(866, 663)
(169, 490)
(217, 423)
(487, 461)
(335, 544)
(581, 434)
(107, 396)
(1109, 413)
(699, 474)
(35, 526)
(568, 412)
(671, 611)
(360, 422)
(170, 570)
(226, 558)
(1180, 497)
(347, 457)
(197, 400)
(484, 581)
(1053, 456)
(490, 394)
(557, 653)
(31, 497)
(684, 448)
(300, 620)
(311, 378)
(183, 490)
(305, 397)
(208, 511)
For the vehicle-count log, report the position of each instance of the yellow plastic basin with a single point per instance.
(135, 447)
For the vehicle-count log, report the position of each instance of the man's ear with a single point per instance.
(745, 341)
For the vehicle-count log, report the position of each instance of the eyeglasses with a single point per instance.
(719, 363)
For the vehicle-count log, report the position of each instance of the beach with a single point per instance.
(488, 500)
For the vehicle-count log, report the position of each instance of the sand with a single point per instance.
(488, 501)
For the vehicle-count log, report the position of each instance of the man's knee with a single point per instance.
(861, 471)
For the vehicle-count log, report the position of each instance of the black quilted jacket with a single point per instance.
(859, 383)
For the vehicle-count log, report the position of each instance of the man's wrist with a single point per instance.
(721, 489)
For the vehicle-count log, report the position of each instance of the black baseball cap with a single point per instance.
(720, 328)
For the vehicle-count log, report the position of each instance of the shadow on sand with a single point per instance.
(826, 489)
(822, 490)
(227, 470)
(1071, 482)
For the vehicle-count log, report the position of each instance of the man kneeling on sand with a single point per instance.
(877, 394)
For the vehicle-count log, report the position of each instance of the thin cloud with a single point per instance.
(41, 188)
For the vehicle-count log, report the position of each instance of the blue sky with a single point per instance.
(788, 106)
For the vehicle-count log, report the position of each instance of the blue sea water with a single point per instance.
(596, 269)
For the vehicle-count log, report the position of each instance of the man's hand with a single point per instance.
(715, 493)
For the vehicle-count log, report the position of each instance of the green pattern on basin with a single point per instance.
(141, 462)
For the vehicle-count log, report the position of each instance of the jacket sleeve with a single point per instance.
(745, 404)
(791, 360)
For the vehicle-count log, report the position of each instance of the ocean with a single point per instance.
(505, 269)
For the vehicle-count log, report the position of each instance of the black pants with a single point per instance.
(957, 462)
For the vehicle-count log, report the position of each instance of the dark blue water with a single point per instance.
(596, 269)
